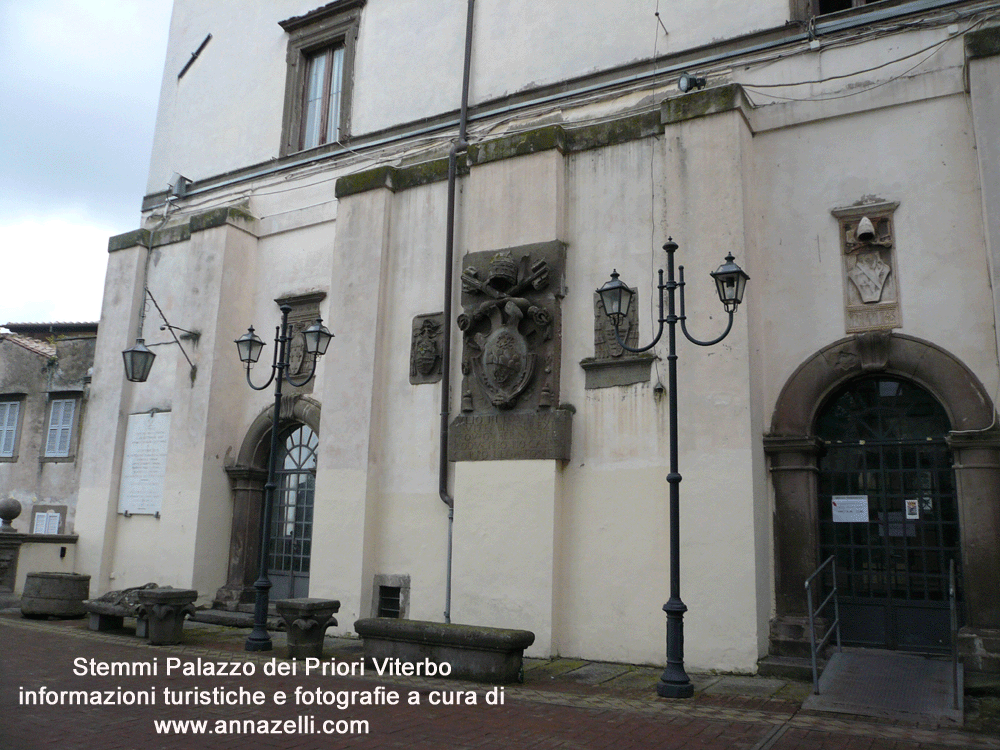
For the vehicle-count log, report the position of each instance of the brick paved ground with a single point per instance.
(557, 707)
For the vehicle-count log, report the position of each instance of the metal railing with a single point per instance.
(834, 626)
(953, 604)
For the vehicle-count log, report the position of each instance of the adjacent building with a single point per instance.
(45, 371)
(844, 153)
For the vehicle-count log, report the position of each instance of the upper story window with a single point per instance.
(832, 6)
(803, 10)
(59, 438)
(319, 80)
(321, 108)
(10, 412)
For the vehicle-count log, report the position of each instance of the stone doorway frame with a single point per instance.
(247, 477)
(793, 451)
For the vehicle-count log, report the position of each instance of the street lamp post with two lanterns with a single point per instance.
(317, 339)
(616, 297)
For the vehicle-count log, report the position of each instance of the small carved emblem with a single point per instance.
(869, 273)
(425, 348)
(297, 349)
(606, 346)
(305, 311)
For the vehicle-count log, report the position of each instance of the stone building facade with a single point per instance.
(45, 372)
(847, 157)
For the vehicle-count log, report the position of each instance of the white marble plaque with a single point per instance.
(145, 463)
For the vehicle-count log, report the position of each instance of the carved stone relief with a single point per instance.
(612, 365)
(512, 339)
(871, 292)
(425, 348)
(606, 346)
(305, 310)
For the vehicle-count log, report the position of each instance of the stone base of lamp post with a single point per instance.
(306, 621)
(164, 610)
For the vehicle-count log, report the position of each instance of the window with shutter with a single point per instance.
(59, 439)
(9, 412)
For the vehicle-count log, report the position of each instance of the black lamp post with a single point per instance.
(317, 338)
(730, 280)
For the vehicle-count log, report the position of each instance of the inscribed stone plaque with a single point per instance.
(145, 463)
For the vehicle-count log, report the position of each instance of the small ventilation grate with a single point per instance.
(388, 601)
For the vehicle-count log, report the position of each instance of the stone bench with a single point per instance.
(306, 621)
(492, 655)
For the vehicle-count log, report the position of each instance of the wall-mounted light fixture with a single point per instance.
(139, 358)
(138, 361)
(687, 82)
(178, 185)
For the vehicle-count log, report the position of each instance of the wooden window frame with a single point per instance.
(54, 454)
(333, 25)
(17, 400)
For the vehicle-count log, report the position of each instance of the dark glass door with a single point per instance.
(292, 514)
(889, 513)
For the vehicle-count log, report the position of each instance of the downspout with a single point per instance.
(460, 146)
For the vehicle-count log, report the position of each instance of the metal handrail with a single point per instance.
(953, 604)
(835, 625)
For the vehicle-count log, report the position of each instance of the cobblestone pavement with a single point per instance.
(562, 704)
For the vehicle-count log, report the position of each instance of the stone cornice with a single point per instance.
(236, 216)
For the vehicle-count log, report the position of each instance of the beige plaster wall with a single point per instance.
(930, 168)
(44, 557)
(226, 111)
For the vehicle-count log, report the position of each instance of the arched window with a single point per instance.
(292, 513)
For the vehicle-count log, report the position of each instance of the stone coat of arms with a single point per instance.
(507, 322)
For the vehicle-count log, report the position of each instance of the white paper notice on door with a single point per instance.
(850, 508)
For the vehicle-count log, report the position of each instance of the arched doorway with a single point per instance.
(292, 513)
(795, 453)
(247, 477)
(888, 512)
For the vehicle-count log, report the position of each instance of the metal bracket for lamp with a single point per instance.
(139, 358)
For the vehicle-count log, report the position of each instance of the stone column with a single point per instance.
(794, 473)
(244, 546)
(976, 458)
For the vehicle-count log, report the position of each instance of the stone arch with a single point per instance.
(257, 441)
(247, 477)
(793, 451)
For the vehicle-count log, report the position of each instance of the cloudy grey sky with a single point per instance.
(80, 84)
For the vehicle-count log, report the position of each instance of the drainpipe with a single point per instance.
(460, 146)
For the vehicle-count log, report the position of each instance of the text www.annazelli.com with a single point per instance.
(299, 725)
